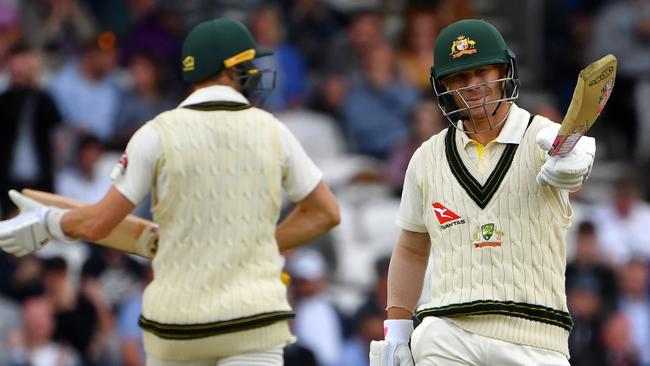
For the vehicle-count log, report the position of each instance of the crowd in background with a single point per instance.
(78, 77)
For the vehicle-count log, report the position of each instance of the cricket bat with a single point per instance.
(133, 235)
(595, 85)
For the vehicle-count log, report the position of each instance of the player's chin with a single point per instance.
(478, 112)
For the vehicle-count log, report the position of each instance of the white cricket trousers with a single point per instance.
(440, 342)
(270, 357)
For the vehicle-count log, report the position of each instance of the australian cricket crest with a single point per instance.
(462, 45)
(487, 236)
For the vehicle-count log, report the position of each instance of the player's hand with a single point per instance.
(35, 226)
(26, 232)
(394, 350)
(568, 172)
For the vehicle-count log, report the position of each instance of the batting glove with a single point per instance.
(34, 227)
(571, 171)
(394, 349)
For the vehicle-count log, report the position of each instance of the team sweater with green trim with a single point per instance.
(498, 242)
(216, 289)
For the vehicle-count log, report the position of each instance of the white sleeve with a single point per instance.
(299, 173)
(409, 216)
(133, 175)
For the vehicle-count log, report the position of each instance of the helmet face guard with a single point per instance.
(457, 114)
(256, 84)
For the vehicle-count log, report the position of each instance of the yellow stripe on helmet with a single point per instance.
(247, 55)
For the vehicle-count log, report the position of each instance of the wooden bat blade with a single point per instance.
(594, 86)
(133, 235)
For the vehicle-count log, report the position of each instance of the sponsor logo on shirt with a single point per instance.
(124, 161)
(446, 217)
(120, 167)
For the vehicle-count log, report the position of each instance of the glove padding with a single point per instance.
(568, 172)
(34, 227)
(394, 350)
(386, 353)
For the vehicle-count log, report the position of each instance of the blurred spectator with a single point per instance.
(635, 306)
(364, 34)
(329, 96)
(312, 24)
(25, 278)
(317, 324)
(128, 331)
(290, 81)
(589, 264)
(623, 222)
(426, 121)
(63, 26)
(297, 355)
(378, 105)
(82, 318)
(35, 345)
(82, 182)
(623, 28)
(118, 274)
(153, 30)
(376, 299)
(148, 97)
(10, 35)
(369, 326)
(585, 304)
(9, 325)
(450, 11)
(84, 92)
(567, 37)
(30, 117)
(416, 45)
(617, 347)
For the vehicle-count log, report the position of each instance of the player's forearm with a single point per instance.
(94, 222)
(84, 223)
(302, 226)
(408, 266)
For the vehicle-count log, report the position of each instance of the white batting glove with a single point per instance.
(571, 171)
(394, 349)
(34, 227)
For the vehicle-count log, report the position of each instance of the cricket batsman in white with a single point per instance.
(486, 201)
(216, 167)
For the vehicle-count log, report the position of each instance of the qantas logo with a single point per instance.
(445, 216)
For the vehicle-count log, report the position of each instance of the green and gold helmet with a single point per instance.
(465, 45)
(218, 44)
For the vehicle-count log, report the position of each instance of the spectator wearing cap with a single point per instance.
(317, 324)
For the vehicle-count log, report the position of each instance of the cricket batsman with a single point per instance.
(486, 201)
(216, 167)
